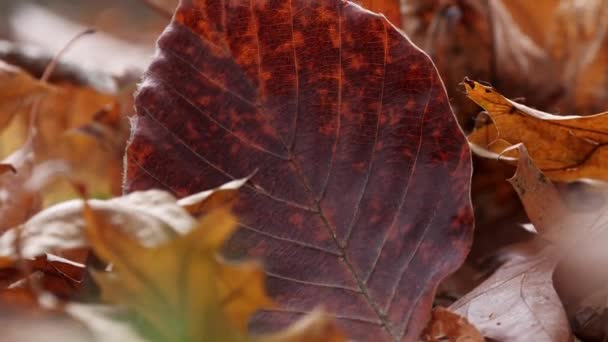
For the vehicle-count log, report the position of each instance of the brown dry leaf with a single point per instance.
(74, 123)
(206, 201)
(563, 43)
(448, 326)
(17, 89)
(6, 168)
(549, 214)
(578, 41)
(152, 217)
(518, 303)
(61, 107)
(451, 33)
(101, 142)
(17, 202)
(565, 148)
(184, 290)
(573, 219)
(479, 39)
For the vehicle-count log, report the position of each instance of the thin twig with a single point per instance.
(48, 71)
(22, 264)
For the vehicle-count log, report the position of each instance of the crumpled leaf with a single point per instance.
(184, 290)
(573, 219)
(360, 201)
(548, 213)
(518, 303)
(152, 217)
(448, 326)
(564, 148)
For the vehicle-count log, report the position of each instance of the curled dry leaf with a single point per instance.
(184, 290)
(518, 303)
(152, 217)
(448, 326)
(206, 201)
(573, 219)
(564, 148)
(361, 198)
(549, 214)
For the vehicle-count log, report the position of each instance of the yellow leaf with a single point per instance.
(71, 125)
(207, 201)
(184, 291)
(179, 287)
(564, 148)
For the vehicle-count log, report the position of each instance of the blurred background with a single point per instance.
(548, 54)
(127, 30)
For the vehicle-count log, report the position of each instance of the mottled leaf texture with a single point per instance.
(359, 198)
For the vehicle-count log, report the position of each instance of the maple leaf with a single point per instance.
(360, 200)
(565, 148)
(184, 290)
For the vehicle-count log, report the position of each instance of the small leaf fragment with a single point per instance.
(448, 326)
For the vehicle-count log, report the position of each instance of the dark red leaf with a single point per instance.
(360, 202)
